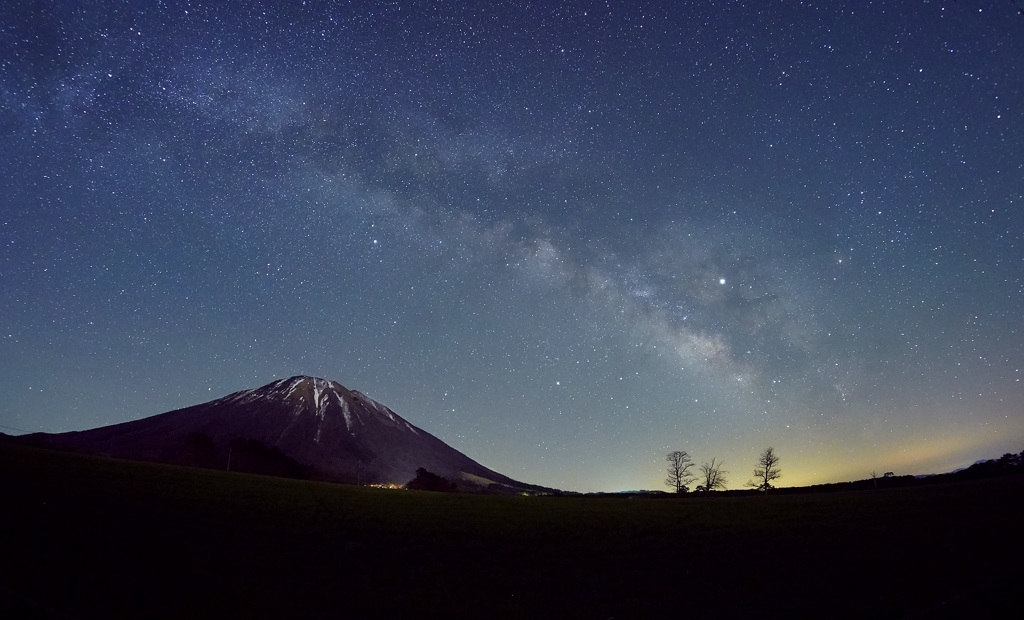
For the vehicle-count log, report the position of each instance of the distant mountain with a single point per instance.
(302, 422)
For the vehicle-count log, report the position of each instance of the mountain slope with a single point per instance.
(339, 433)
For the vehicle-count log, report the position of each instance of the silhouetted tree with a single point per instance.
(712, 475)
(679, 476)
(429, 481)
(766, 470)
(199, 450)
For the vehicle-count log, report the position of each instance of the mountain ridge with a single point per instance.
(337, 434)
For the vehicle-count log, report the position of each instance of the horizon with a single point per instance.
(565, 242)
(728, 487)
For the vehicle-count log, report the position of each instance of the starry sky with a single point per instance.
(566, 238)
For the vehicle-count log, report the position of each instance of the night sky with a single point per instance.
(564, 240)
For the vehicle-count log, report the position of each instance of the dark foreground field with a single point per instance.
(93, 538)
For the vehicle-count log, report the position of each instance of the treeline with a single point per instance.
(244, 455)
(1007, 465)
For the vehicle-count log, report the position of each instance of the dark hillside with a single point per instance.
(95, 538)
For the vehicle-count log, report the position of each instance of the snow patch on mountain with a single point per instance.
(345, 411)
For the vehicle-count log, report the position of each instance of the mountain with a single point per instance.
(304, 423)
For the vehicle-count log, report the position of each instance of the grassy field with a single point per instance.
(86, 537)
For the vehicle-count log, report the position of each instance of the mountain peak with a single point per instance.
(301, 381)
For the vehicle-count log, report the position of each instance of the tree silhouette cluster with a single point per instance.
(429, 481)
(244, 455)
(255, 457)
(711, 475)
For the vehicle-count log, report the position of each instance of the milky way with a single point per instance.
(564, 240)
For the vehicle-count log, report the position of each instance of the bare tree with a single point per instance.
(713, 476)
(766, 471)
(679, 475)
